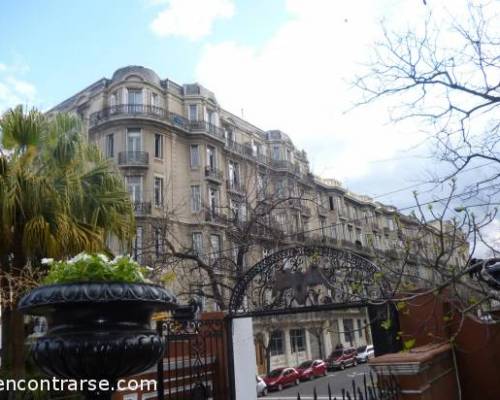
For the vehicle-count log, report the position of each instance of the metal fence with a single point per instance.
(383, 388)
(196, 360)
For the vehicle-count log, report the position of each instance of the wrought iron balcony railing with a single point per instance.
(136, 158)
(206, 127)
(157, 113)
(215, 216)
(142, 207)
(235, 186)
(213, 174)
(127, 109)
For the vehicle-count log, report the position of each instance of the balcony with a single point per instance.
(235, 187)
(141, 208)
(216, 217)
(285, 165)
(128, 110)
(155, 113)
(206, 127)
(238, 148)
(133, 158)
(213, 174)
(246, 150)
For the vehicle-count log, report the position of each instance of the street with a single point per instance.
(338, 380)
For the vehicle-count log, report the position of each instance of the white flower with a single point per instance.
(103, 258)
(47, 261)
(81, 256)
(149, 268)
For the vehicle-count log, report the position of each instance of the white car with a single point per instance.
(261, 387)
(365, 353)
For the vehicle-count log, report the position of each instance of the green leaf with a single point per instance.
(409, 344)
(386, 324)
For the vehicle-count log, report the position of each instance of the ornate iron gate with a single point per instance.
(195, 364)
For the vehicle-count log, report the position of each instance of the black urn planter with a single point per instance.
(97, 331)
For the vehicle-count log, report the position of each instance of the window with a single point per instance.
(158, 241)
(276, 153)
(213, 200)
(158, 146)
(137, 245)
(261, 185)
(333, 232)
(360, 329)
(234, 175)
(330, 200)
(322, 223)
(134, 187)
(297, 340)
(229, 133)
(212, 117)
(276, 343)
(134, 96)
(280, 188)
(155, 100)
(238, 210)
(158, 191)
(195, 155)
(193, 112)
(112, 100)
(215, 246)
(348, 331)
(211, 159)
(134, 100)
(134, 144)
(110, 145)
(195, 198)
(197, 243)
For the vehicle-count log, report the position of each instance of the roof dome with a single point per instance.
(146, 73)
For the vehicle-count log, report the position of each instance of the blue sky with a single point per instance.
(283, 64)
(67, 45)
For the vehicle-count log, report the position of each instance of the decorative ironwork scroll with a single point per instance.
(306, 278)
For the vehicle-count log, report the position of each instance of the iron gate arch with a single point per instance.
(307, 278)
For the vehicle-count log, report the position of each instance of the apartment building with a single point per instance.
(186, 158)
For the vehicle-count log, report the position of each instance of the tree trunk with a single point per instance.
(13, 334)
(268, 359)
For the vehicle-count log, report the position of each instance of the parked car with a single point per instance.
(261, 387)
(365, 353)
(341, 358)
(278, 378)
(311, 369)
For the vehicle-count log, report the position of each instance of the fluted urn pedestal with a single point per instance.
(97, 331)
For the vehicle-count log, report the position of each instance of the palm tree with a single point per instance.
(58, 197)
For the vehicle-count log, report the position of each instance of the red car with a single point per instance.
(278, 378)
(341, 358)
(311, 369)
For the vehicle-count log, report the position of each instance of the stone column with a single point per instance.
(327, 341)
(308, 344)
(340, 322)
(288, 347)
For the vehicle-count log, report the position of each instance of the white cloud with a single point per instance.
(299, 81)
(192, 19)
(13, 89)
